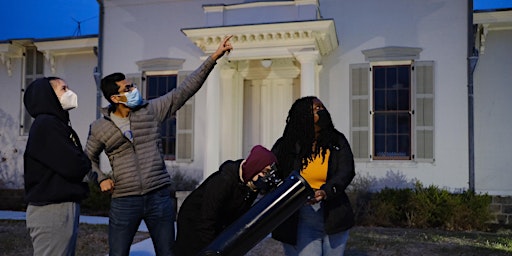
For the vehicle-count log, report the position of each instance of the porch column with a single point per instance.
(309, 72)
(212, 138)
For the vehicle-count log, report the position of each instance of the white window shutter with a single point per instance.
(423, 75)
(185, 126)
(360, 113)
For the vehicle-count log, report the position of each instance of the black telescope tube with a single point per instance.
(263, 217)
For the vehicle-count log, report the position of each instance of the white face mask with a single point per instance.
(69, 100)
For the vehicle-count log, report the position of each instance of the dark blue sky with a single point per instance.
(22, 19)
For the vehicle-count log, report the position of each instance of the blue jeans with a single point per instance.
(311, 237)
(126, 213)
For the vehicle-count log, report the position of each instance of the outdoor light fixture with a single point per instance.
(266, 63)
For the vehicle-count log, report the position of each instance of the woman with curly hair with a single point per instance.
(322, 154)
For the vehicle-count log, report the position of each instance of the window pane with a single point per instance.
(391, 80)
(403, 123)
(151, 88)
(391, 123)
(380, 100)
(391, 145)
(379, 81)
(403, 100)
(157, 86)
(39, 62)
(403, 145)
(404, 77)
(391, 100)
(379, 124)
(29, 65)
(380, 145)
(392, 120)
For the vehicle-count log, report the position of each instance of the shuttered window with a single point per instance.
(156, 86)
(177, 133)
(34, 69)
(424, 112)
(185, 129)
(359, 86)
(392, 111)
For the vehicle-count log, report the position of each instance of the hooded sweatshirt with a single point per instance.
(54, 161)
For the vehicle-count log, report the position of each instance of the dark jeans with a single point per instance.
(156, 208)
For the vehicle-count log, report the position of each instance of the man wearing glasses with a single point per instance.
(129, 134)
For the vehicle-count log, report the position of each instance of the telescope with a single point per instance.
(263, 217)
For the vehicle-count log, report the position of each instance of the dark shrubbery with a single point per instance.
(98, 203)
(424, 207)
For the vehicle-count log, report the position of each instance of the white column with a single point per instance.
(309, 75)
(212, 138)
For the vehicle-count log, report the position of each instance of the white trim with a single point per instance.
(271, 40)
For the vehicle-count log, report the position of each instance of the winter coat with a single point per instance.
(213, 206)
(338, 213)
(54, 162)
(138, 167)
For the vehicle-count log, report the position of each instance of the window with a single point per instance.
(392, 110)
(177, 133)
(34, 69)
(156, 86)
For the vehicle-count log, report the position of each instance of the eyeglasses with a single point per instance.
(129, 87)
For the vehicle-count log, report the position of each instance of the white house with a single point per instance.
(394, 74)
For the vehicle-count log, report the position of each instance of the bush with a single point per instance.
(181, 182)
(427, 207)
(98, 203)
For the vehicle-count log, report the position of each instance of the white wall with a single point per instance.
(439, 29)
(12, 145)
(138, 30)
(77, 70)
(493, 120)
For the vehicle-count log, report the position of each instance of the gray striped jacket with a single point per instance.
(138, 168)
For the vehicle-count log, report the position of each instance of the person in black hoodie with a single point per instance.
(221, 199)
(55, 166)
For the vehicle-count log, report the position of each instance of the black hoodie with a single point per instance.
(54, 161)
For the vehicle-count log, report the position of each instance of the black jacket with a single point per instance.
(338, 213)
(54, 162)
(212, 207)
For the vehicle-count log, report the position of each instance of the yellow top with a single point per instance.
(315, 172)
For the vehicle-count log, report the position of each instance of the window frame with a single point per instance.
(184, 117)
(38, 58)
(398, 112)
(422, 109)
(171, 120)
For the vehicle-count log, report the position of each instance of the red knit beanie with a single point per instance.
(258, 159)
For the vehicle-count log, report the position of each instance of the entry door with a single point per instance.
(266, 105)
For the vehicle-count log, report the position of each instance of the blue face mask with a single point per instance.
(133, 98)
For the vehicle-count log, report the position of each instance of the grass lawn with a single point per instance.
(363, 241)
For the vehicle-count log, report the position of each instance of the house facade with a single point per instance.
(394, 76)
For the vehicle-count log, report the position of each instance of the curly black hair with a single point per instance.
(299, 134)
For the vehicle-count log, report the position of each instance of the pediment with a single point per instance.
(277, 40)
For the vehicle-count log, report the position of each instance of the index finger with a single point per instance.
(226, 38)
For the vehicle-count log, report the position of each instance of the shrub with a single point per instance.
(428, 207)
(181, 182)
(98, 203)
